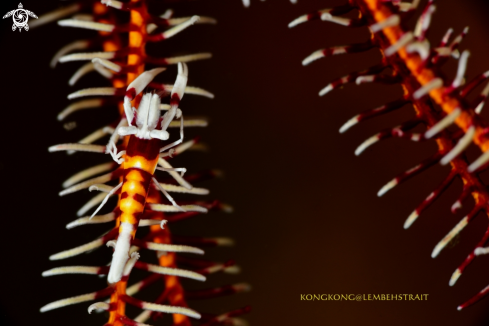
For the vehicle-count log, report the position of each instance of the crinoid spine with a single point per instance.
(140, 141)
(444, 105)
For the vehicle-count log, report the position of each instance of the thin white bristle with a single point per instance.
(480, 161)
(102, 27)
(462, 66)
(338, 20)
(403, 41)
(202, 20)
(424, 21)
(68, 301)
(78, 250)
(188, 58)
(173, 248)
(391, 184)
(80, 105)
(313, 57)
(367, 143)
(107, 64)
(326, 90)
(171, 208)
(170, 309)
(71, 270)
(175, 272)
(446, 37)
(364, 79)
(350, 123)
(87, 173)
(456, 230)
(55, 15)
(460, 147)
(454, 277)
(101, 91)
(298, 20)
(443, 123)
(91, 204)
(481, 251)
(102, 70)
(78, 148)
(82, 71)
(392, 20)
(76, 45)
(92, 220)
(189, 123)
(177, 29)
(86, 56)
(410, 220)
(194, 190)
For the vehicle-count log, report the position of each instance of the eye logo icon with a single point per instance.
(20, 17)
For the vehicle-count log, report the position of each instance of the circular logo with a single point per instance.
(20, 18)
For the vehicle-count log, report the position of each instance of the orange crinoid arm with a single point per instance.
(409, 60)
(119, 54)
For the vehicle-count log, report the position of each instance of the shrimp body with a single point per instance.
(139, 165)
(146, 131)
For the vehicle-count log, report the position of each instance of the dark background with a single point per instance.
(307, 219)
